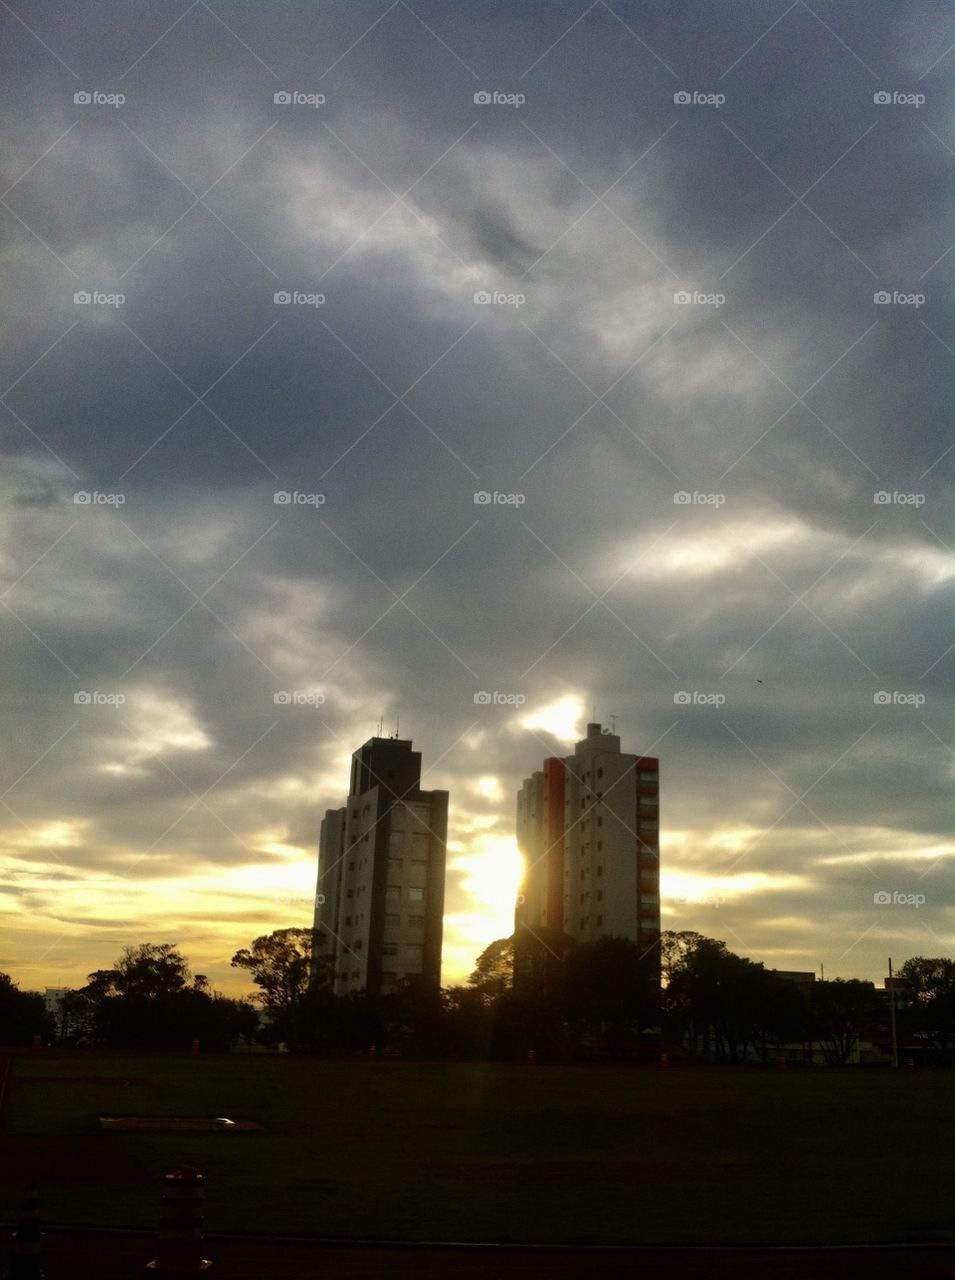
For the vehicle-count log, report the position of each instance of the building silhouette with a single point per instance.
(379, 910)
(588, 826)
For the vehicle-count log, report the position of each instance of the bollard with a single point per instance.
(664, 1060)
(25, 1259)
(372, 1053)
(530, 1057)
(195, 1048)
(179, 1246)
(910, 1063)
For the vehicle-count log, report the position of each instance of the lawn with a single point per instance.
(494, 1152)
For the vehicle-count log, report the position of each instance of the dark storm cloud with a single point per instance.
(597, 398)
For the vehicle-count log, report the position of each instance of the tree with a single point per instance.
(280, 965)
(929, 1001)
(841, 1009)
(494, 970)
(22, 1014)
(609, 990)
(150, 1001)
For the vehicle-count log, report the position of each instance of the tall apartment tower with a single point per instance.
(588, 826)
(381, 864)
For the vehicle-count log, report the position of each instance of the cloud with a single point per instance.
(194, 806)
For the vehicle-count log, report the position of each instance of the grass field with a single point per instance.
(494, 1152)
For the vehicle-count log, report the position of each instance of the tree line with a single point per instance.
(689, 995)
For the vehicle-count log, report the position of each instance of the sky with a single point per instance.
(479, 368)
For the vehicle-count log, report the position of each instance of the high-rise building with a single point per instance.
(588, 826)
(379, 910)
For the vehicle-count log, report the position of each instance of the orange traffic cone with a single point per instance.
(25, 1259)
(179, 1247)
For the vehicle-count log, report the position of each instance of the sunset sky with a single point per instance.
(666, 280)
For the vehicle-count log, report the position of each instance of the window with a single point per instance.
(393, 892)
(354, 814)
(600, 773)
(421, 842)
(416, 922)
(351, 893)
(388, 977)
(419, 864)
(395, 864)
(351, 866)
(348, 919)
(600, 920)
(600, 845)
(600, 821)
(600, 869)
(389, 949)
(415, 894)
(414, 955)
(392, 919)
(358, 944)
(396, 839)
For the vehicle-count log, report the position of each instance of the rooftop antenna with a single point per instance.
(397, 723)
(380, 719)
(613, 724)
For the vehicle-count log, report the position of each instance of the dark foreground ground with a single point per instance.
(553, 1155)
(122, 1257)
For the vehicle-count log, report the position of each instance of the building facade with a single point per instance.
(588, 827)
(379, 912)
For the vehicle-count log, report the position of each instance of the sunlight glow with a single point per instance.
(561, 718)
